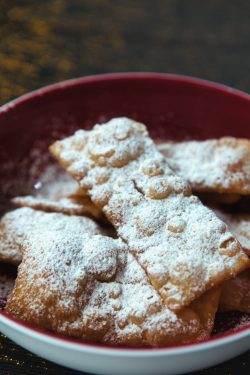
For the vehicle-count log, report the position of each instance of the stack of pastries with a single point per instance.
(133, 257)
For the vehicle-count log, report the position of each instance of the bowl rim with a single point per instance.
(193, 81)
(81, 345)
(223, 338)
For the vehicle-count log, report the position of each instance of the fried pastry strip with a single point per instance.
(89, 286)
(75, 204)
(236, 293)
(239, 224)
(16, 225)
(183, 247)
(212, 166)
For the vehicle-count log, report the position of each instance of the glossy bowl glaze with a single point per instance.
(173, 107)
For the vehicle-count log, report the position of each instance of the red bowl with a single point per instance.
(173, 107)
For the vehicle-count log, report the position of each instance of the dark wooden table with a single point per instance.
(42, 42)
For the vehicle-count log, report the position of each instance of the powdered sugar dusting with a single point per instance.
(75, 204)
(213, 165)
(53, 184)
(239, 224)
(184, 248)
(17, 225)
(243, 322)
(230, 322)
(80, 285)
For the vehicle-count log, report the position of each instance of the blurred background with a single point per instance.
(42, 42)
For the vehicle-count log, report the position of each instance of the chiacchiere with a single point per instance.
(76, 281)
(74, 204)
(16, 225)
(217, 166)
(157, 284)
(183, 247)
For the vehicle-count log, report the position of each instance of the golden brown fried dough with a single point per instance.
(212, 166)
(183, 247)
(236, 293)
(16, 225)
(89, 286)
(75, 204)
(239, 224)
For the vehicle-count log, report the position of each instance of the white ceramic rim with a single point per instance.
(82, 346)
